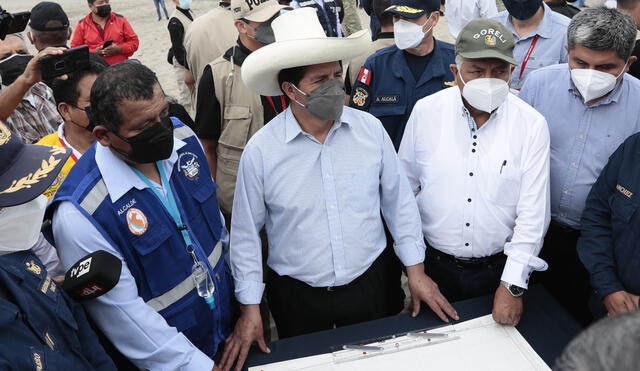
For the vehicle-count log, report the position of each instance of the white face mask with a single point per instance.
(408, 35)
(485, 94)
(593, 84)
(20, 225)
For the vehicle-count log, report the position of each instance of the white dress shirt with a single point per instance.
(461, 12)
(480, 192)
(137, 330)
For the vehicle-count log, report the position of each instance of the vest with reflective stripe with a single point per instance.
(138, 225)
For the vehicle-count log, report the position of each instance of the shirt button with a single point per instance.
(470, 174)
(473, 150)
(466, 244)
(468, 200)
(475, 137)
(468, 224)
(475, 144)
(573, 164)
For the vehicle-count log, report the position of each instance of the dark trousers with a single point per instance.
(566, 279)
(459, 280)
(299, 309)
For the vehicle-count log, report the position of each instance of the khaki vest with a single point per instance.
(242, 115)
(186, 22)
(209, 36)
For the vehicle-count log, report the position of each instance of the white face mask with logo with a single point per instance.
(593, 84)
(486, 94)
(20, 225)
(408, 35)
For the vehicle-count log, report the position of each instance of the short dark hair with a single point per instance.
(292, 75)
(67, 90)
(123, 81)
(52, 38)
(379, 6)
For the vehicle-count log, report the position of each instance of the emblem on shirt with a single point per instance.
(360, 97)
(364, 76)
(49, 340)
(53, 188)
(450, 83)
(37, 360)
(137, 221)
(624, 191)
(387, 98)
(490, 40)
(33, 267)
(189, 165)
(5, 134)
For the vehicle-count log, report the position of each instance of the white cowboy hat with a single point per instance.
(300, 41)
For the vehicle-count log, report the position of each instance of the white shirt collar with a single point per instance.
(119, 177)
(66, 142)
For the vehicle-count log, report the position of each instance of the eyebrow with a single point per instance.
(142, 124)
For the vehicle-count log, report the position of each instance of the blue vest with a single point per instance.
(389, 91)
(42, 328)
(143, 231)
(328, 15)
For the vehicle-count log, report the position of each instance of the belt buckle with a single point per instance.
(330, 288)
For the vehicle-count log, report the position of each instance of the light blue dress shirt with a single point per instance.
(582, 137)
(320, 204)
(137, 330)
(549, 50)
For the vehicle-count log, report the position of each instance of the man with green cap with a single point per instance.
(477, 158)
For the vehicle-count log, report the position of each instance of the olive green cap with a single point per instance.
(485, 38)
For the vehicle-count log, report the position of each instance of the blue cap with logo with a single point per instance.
(413, 8)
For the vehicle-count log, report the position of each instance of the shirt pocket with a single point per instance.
(234, 136)
(622, 210)
(503, 188)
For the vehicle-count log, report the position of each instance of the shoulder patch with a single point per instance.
(364, 76)
(360, 97)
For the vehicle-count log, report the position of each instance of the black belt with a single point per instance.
(468, 262)
(563, 228)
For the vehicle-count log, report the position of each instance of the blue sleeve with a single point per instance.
(91, 347)
(595, 246)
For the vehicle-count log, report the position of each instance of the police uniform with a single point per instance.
(41, 328)
(386, 88)
(138, 227)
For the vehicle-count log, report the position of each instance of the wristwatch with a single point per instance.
(515, 291)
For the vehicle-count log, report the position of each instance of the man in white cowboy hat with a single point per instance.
(228, 113)
(317, 177)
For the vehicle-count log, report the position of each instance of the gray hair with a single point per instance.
(610, 344)
(603, 29)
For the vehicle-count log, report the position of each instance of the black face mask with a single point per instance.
(153, 144)
(103, 11)
(12, 67)
(522, 9)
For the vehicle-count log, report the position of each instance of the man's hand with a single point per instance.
(216, 368)
(423, 288)
(110, 50)
(31, 74)
(248, 329)
(620, 302)
(507, 309)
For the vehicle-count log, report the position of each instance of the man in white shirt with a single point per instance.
(461, 12)
(477, 158)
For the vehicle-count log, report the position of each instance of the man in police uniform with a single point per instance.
(41, 328)
(228, 113)
(145, 194)
(395, 78)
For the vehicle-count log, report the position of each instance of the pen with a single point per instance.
(361, 347)
(503, 165)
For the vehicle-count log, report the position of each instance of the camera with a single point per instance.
(12, 23)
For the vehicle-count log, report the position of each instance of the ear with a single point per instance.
(632, 60)
(69, 33)
(240, 26)
(65, 111)
(288, 89)
(436, 18)
(101, 133)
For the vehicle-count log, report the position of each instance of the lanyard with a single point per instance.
(528, 55)
(200, 273)
(273, 105)
(73, 156)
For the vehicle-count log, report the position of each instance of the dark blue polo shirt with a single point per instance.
(609, 245)
(386, 87)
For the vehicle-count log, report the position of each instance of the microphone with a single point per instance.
(92, 276)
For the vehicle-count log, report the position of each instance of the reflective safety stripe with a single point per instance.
(183, 288)
(183, 132)
(95, 197)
